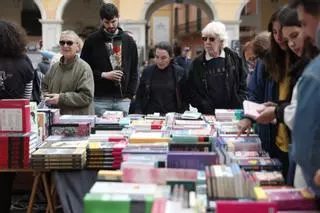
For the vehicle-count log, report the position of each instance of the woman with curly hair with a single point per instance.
(16, 74)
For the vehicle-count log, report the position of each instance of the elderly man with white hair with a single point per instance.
(217, 78)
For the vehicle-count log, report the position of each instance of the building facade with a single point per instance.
(148, 20)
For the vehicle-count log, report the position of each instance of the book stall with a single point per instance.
(149, 163)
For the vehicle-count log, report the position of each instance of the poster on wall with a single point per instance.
(161, 29)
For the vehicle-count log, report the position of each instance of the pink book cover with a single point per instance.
(242, 207)
(159, 206)
(157, 175)
(292, 199)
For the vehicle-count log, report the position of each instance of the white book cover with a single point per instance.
(124, 188)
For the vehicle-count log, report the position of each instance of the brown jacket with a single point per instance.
(75, 85)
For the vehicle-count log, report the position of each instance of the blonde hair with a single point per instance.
(74, 35)
(216, 28)
(261, 44)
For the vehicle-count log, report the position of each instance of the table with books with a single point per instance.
(149, 163)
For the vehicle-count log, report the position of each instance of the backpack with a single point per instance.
(36, 87)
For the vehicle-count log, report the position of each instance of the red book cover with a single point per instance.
(250, 206)
(14, 150)
(15, 116)
(156, 124)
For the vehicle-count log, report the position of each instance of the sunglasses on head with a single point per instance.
(69, 43)
(212, 39)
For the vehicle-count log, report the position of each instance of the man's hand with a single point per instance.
(52, 99)
(114, 75)
(244, 126)
(266, 115)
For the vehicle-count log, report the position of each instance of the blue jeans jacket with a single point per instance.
(306, 128)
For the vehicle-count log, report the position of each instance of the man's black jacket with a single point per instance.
(95, 53)
(198, 95)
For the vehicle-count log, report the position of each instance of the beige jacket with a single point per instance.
(75, 85)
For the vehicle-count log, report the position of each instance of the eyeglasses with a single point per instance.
(212, 39)
(69, 43)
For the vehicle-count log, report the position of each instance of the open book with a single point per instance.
(250, 109)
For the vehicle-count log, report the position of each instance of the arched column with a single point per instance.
(51, 21)
(41, 8)
(62, 5)
(137, 20)
(51, 31)
(229, 13)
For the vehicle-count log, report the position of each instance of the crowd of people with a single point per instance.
(278, 68)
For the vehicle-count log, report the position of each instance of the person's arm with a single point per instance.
(255, 93)
(134, 73)
(290, 110)
(256, 87)
(83, 95)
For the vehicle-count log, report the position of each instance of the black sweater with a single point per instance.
(95, 53)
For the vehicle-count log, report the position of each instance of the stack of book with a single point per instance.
(228, 114)
(287, 198)
(159, 176)
(110, 175)
(59, 158)
(149, 137)
(233, 143)
(103, 125)
(105, 155)
(191, 160)
(81, 129)
(235, 157)
(225, 182)
(113, 115)
(145, 155)
(123, 197)
(143, 125)
(190, 124)
(113, 137)
(15, 149)
(192, 140)
(227, 128)
(261, 164)
(69, 119)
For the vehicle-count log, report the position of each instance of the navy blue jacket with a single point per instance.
(262, 89)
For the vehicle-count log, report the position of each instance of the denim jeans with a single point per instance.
(111, 104)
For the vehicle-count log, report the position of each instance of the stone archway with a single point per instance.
(41, 8)
(151, 6)
(138, 27)
(89, 11)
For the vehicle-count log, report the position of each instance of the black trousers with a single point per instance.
(6, 184)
